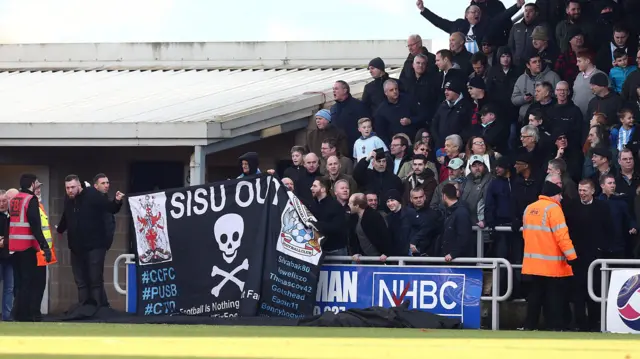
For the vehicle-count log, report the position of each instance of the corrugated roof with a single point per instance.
(138, 96)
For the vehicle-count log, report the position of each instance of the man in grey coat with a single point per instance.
(526, 84)
(474, 188)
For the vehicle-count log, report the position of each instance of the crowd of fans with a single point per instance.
(467, 136)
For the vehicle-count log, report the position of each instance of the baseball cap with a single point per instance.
(455, 164)
(476, 158)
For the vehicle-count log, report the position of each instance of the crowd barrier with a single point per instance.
(605, 271)
(480, 237)
(495, 264)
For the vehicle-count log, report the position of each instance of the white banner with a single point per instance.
(623, 302)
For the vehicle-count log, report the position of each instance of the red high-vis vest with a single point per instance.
(20, 236)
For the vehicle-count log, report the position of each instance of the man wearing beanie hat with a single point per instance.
(324, 129)
(373, 94)
(401, 222)
(605, 101)
(453, 115)
(548, 256)
(478, 93)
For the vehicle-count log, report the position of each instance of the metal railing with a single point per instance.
(484, 263)
(128, 259)
(480, 237)
(494, 264)
(604, 283)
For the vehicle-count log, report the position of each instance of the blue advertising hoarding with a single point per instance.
(450, 292)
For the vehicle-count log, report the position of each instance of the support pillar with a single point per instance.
(197, 166)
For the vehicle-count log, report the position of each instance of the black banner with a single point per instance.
(242, 247)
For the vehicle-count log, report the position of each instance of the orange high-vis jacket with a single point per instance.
(46, 231)
(547, 245)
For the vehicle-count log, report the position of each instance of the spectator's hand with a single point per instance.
(448, 258)
(356, 258)
(560, 152)
(119, 196)
(405, 121)
(371, 155)
(441, 161)
(420, 5)
(633, 231)
(638, 190)
(413, 249)
(481, 224)
(271, 171)
(1, 241)
(520, 3)
(497, 155)
(528, 98)
(383, 258)
(47, 254)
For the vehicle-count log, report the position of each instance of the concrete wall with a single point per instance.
(203, 54)
(116, 162)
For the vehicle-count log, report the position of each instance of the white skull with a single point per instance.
(228, 231)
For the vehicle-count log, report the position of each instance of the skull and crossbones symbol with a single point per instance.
(228, 231)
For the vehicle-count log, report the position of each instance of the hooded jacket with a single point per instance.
(252, 160)
(526, 83)
(500, 85)
(451, 119)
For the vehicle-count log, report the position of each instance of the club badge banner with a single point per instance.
(244, 247)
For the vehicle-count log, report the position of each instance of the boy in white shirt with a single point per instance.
(368, 141)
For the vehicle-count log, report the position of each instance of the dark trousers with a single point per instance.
(29, 283)
(586, 312)
(550, 293)
(88, 272)
(509, 246)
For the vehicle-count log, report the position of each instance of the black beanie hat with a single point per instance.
(377, 63)
(550, 189)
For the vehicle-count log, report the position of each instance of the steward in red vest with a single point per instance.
(26, 239)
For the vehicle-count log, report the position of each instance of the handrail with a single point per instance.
(495, 287)
(128, 259)
(495, 263)
(480, 238)
(604, 284)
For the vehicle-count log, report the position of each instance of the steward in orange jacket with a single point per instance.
(548, 255)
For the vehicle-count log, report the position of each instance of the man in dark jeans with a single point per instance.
(84, 220)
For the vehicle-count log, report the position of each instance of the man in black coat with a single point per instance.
(422, 88)
(589, 224)
(428, 224)
(374, 94)
(377, 180)
(102, 184)
(83, 219)
(454, 114)
(331, 218)
(397, 114)
(306, 177)
(414, 44)
(346, 112)
(457, 238)
(369, 235)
